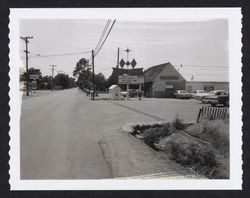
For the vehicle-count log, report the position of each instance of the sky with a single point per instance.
(201, 47)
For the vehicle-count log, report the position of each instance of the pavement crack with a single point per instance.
(105, 159)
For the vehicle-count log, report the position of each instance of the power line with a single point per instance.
(103, 33)
(105, 37)
(63, 54)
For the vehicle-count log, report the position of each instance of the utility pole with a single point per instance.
(26, 40)
(118, 52)
(93, 74)
(52, 82)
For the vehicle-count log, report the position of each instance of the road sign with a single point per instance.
(130, 79)
(34, 76)
(34, 85)
(122, 63)
(133, 63)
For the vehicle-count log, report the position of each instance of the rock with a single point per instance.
(139, 136)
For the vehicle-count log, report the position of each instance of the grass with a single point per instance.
(217, 132)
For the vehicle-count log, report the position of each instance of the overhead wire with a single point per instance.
(105, 38)
(103, 34)
(62, 54)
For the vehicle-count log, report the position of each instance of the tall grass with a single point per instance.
(217, 131)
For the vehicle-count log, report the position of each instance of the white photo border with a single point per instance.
(233, 15)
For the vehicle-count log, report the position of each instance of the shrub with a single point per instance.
(197, 155)
(178, 123)
(155, 133)
(218, 133)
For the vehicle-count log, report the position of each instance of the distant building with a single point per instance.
(206, 85)
(115, 92)
(163, 80)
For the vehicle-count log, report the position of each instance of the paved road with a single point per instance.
(60, 131)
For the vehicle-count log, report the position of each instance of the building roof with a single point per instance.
(113, 86)
(151, 73)
(183, 73)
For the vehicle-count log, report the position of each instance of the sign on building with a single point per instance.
(130, 79)
(169, 86)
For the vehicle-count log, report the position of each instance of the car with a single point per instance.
(124, 93)
(211, 93)
(182, 94)
(132, 93)
(218, 97)
(197, 94)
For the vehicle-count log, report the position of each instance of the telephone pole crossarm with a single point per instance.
(26, 40)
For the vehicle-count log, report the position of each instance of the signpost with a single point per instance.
(34, 85)
(34, 76)
(130, 79)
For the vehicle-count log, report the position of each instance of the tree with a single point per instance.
(72, 82)
(85, 80)
(85, 76)
(62, 80)
(100, 82)
(46, 82)
(112, 80)
(81, 66)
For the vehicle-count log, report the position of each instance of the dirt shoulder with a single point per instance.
(128, 156)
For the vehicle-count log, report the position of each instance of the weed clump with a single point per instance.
(217, 131)
(178, 123)
(199, 156)
(153, 135)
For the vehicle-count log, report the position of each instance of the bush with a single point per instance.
(178, 123)
(192, 153)
(218, 133)
(199, 156)
(152, 134)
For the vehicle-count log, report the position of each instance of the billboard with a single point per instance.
(130, 79)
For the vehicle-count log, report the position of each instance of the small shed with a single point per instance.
(115, 92)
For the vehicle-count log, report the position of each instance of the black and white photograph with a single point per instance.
(125, 98)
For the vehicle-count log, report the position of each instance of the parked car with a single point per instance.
(124, 93)
(217, 97)
(132, 93)
(197, 94)
(182, 94)
(211, 93)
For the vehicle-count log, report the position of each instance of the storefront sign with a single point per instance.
(169, 86)
(130, 79)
